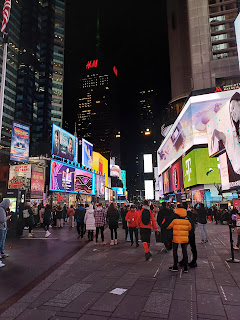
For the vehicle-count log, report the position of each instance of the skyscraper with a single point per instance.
(39, 99)
(13, 30)
(202, 45)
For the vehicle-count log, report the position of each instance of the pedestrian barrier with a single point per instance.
(232, 259)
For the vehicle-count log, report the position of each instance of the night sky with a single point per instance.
(134, 37)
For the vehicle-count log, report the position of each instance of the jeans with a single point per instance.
(80, 228)
(203, 231)
(3, 234)
(90, 235)
(115, 231)
(102, 233)
(184, 252)
(135, 231)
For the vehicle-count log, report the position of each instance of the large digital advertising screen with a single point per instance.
(20, 177)
(20, 142)
(176, 176)
(119, 191)
(237, 33)
(100, 164)
(149, 192)
(66, 178)
(99, 185)
(37, 182)
(87, 154)
(166, 182)
(193, 125)
(229, 178)
(147, 163)
(124, 178)
(64, 144)
(199, 168)
(160, 184)
(224, 133)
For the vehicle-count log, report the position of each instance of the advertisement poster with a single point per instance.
(20, 177)
(166, 182)
(100, 164)
(229, 178)
(66, 178)
(99, 185)
(64, 144)
(20, 142)
(37, 182)
(198, 119)
(199, 168)
(115, 171)
(87, 154)
(160, 183)
(176, 176)
(13, 204)
(237, 33)
(119, 191)
(124, 179)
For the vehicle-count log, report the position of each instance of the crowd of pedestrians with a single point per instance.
(176, 225)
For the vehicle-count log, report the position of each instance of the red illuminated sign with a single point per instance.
(218, 89)
(92, 64)
(115, 71)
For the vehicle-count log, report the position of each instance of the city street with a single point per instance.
(79, 287)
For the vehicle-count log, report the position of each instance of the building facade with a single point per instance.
(13, 30)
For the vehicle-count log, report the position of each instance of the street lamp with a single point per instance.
(147, 132)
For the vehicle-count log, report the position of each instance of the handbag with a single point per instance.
(158, 236)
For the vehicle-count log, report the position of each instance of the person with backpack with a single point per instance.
(132, 221)
(146, 223)
(181, 227)
(79, 217)
(112, 219)
(70, 214)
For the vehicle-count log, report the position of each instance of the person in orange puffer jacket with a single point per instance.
(181, 227)
(132, 221)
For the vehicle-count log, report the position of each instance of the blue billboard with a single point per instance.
(124, 178)
(119, 191)
(64, 144)
(20, 142)
(87, 154)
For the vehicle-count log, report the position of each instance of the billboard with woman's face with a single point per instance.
(64, 144)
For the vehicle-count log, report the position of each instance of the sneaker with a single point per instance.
(112, 243)
(47, 234)
(185, 270)
(30, 235)
(115, 241)
(4, 255)
(173, 269)
(1, 264)
(192, 264)
(236, 248)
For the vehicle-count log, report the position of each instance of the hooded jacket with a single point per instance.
(181, 226)
(89, 218)
(3, 217)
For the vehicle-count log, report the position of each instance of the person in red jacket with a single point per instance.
(132, 221)
(146, 223)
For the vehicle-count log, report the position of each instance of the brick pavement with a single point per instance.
(80, 288)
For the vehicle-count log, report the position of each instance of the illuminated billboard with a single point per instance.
(237, 33)
(20, 177)
(192, 126)
(149, 192)
(147, 163)
(160, 184)
(99, 185)
(20, 142)
(166, 182)
(119, 191)
(100, 164)
(66, 178)
(199, 168)
(229, 178)
(176, 176)
(87, 154)
(64, 144)
(37, 182)
(115, 171)
(124, 178)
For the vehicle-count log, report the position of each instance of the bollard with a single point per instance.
(232, 259)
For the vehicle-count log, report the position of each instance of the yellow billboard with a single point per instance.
(100, 164)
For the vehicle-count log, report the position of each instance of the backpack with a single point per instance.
(26, 214)
(146, 217)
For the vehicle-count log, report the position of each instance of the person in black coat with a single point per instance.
(112, 218)
(59, 217)
(124, 212)
(164, 215)
(47, 219)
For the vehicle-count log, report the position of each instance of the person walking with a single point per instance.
(79, 217)
(47, 219)
(202, 221)
(4, 206)
(90, 222)
(146, 223)
(132, 221)
(64, 212)
(165, 214)
(100, 220)
(27, 215)
(35, 214)
(59, 216)
(124, 212)
(71, 213)
(112, 218)
(181, 227)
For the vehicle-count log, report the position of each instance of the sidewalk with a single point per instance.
(80, 288)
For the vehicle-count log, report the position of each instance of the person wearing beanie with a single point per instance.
(181, 227)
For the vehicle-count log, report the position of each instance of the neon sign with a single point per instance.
(92, 64)
(115, 71)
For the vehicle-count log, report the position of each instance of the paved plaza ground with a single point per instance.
(80, 287)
